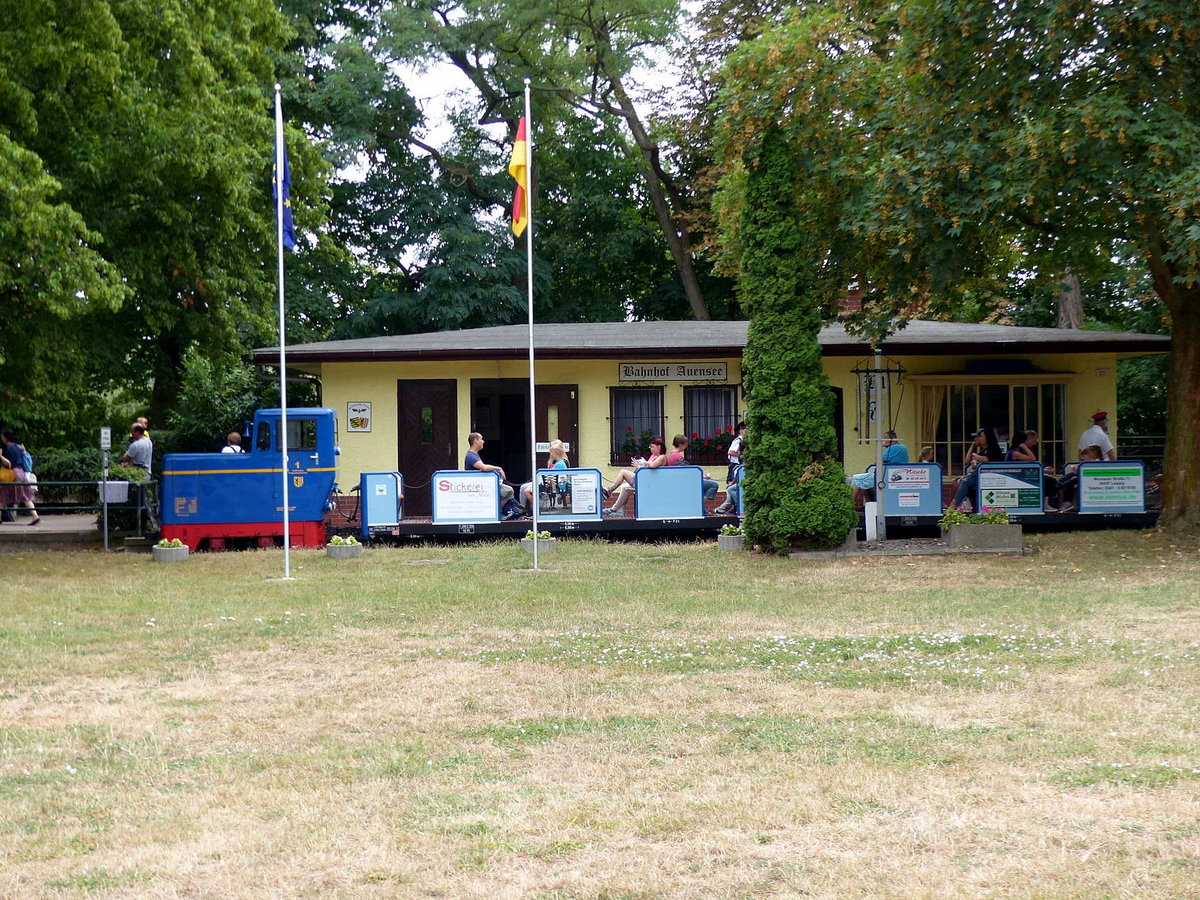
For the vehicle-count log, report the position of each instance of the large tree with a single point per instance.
(943, 134)
(580, 54)
(149, 127)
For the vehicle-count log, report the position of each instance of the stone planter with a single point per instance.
(730, 541)
(169, 554)
(990, 538)
(545, 545)
(343, 551)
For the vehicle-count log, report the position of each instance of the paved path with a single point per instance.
(55, 530)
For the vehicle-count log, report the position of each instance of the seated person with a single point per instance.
(894, 454)
(985, 448)
(733, 493)
(510, 509)
(623, 483)
(676, 458)
(558, 460)
(1068, 487)
(1024, 449)
(625, 476)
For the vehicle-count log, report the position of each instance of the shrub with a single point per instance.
(795, 490)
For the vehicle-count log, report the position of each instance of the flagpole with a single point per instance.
(283, 446)
(529, 283)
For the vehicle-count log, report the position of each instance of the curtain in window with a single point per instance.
(933, 406)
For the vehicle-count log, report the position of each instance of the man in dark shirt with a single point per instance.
(473, 461)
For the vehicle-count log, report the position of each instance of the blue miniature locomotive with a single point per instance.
(212, 498)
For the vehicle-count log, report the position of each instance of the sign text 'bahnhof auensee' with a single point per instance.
(674, 371)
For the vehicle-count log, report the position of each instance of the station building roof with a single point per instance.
(702, 340)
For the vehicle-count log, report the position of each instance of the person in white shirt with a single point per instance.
(734, 453)
(1097, 435)
(233, 443)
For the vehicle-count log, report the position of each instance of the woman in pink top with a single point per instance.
(625, 476)
(624, 479)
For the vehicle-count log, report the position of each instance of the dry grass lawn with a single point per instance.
(641, 722)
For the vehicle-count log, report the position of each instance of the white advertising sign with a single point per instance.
(900, 477)
(466, 497)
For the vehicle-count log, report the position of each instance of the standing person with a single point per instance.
(18, 493)
(473, 461)
(1097, 435)
(140, 450)
(734, 453)
(233, 443)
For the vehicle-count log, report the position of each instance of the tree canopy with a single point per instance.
(944, 141)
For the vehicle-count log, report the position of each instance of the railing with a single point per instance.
(88, 497)
(1149, 448)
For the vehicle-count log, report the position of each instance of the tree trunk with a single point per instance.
(678, 239)
(1181, 473)
(1070, 301)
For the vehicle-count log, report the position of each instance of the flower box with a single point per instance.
(992, 538)
(169, 554)
(730, 541)
(343, 551)
(545, 545)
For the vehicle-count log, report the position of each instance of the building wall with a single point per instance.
(1091, 385)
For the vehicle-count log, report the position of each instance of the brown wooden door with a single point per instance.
(426, 441)
(557, 410)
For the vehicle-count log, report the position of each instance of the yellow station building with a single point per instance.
(407, 403)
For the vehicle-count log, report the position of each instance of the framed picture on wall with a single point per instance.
(358, 416)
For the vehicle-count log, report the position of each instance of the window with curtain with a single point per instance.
(952, 412)
(636, 416)
(708, 411)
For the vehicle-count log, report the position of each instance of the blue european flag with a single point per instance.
(289, 227)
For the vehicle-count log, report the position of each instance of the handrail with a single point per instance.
(143, 497)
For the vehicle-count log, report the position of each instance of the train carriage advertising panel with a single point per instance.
(461, 497)
(568, 494)
(1014, 487)
(1112, 487)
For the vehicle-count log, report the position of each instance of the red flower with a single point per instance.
(629, 428)
(695, 435)
(729, 428)
(707, 445)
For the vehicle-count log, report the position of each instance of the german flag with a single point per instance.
(519, 170)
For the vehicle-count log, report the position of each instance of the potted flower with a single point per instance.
(346, 547)
(987, 530)
(731, 537)
(173, 550)
(545, 541)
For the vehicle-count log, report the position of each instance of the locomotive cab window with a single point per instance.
(262, 440)
(302, 434)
